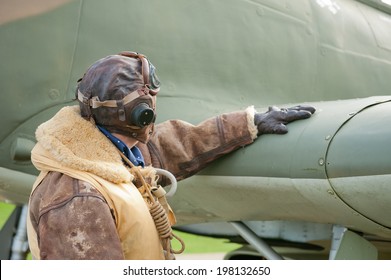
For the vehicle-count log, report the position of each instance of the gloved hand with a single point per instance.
(275, 119)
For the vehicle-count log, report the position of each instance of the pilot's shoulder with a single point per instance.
(57, 188)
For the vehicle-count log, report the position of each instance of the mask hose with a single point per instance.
(171, 177)
(159, 214)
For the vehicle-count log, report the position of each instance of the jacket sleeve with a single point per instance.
(184, 149)
(73, 221)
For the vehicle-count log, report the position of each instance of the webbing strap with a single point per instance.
(94, 102)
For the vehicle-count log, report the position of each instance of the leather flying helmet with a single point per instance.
(119, 93)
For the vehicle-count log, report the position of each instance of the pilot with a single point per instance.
(98, 195)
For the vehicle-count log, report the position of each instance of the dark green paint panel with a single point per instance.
(363, 145)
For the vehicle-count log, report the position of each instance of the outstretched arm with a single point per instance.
(184, 149)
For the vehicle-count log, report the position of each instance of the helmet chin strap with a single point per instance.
(140, 134)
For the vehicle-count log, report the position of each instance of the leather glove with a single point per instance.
(275, 119)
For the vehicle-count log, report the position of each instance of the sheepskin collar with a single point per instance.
(78, 144)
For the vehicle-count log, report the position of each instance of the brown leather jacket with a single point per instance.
(72, 219)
